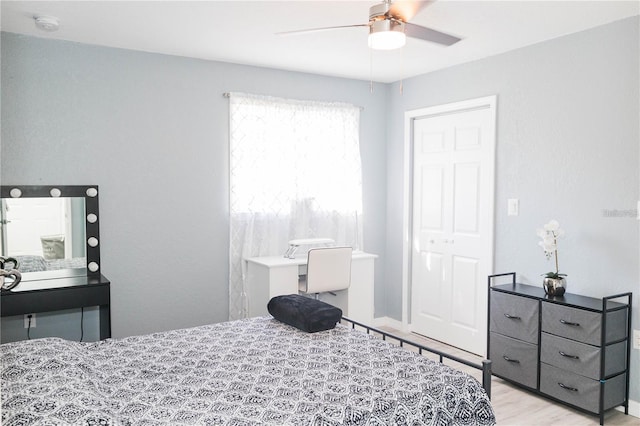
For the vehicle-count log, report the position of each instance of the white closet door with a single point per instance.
(452, 244)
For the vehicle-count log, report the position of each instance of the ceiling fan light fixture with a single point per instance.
(386, 34)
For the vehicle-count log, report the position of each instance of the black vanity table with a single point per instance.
(71, 287)
(58, 293)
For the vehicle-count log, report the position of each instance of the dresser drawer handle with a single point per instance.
(575, 324)
(569, 356)
(511, 316)
(506, 358)
(563, 386)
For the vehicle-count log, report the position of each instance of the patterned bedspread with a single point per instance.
(246, 372)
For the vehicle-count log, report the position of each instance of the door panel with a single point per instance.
(432, 196)
(465, 287)
(467, 137)
(432, 293)
(431, 142)
(465, 204)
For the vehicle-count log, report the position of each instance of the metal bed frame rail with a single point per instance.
(485, 366)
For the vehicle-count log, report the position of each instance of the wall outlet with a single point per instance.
(26, 321)
(636, 339)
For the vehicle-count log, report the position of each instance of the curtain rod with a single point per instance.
(228, 94)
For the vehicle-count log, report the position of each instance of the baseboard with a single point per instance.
(390, 322)
(634, 408)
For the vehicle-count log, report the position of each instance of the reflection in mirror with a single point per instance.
(44, 233)
(50, 229)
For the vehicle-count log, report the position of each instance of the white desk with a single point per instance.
(276, 275)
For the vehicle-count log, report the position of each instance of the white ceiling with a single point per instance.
(244, 31)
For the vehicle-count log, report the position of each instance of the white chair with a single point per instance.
(328, 270)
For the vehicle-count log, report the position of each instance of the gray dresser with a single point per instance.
(572, 349)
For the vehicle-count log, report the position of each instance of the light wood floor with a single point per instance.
(516, 407)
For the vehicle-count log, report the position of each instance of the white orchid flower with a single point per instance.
(552, 226)
(549, 234)
(548, 246)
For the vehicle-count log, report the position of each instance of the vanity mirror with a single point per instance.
(52, 231)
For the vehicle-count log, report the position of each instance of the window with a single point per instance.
(294, 173)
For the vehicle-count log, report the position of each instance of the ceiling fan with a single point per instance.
(388, 26)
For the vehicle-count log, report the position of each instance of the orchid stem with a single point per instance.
(555, 242)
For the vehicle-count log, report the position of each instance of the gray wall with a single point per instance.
(567, 147)
(152, 131)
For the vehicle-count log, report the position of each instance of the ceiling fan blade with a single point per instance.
(428, 34)
(407, 9)
(314, 30)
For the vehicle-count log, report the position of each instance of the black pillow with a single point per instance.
(304, 313)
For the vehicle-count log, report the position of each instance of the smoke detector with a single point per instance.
(47, 23)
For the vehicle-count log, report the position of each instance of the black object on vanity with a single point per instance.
(60, 283)
(572, 349)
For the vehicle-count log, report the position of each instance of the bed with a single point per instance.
(245, 372)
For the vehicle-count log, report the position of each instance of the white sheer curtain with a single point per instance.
(294, 173)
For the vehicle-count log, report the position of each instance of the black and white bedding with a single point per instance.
(245, 372)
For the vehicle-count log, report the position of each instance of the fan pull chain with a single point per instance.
(402, 71)
(370, 70)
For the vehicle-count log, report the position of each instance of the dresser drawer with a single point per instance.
(583, 326)
(581, 358)
(514, 316)
(514, 359)
(579, 390)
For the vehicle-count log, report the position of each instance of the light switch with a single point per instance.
(513, 207)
